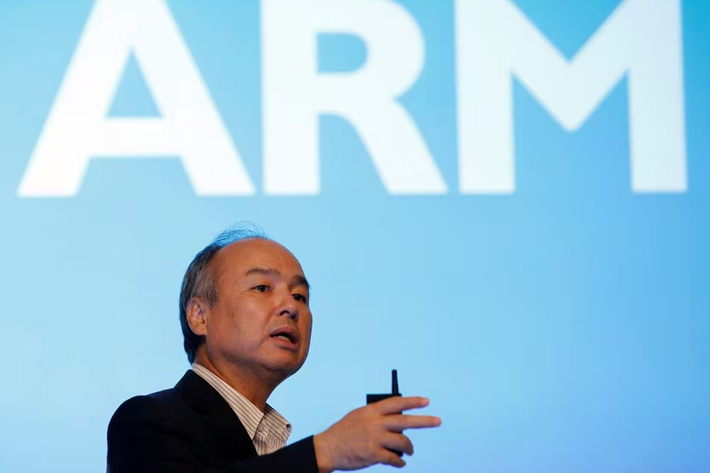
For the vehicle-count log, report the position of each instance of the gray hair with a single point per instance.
(199, 280)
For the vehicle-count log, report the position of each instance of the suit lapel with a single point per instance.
(226, 431)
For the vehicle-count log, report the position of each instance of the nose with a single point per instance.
(288, 307)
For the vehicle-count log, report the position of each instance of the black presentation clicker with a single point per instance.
(379, 397)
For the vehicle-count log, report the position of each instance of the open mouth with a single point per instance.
(286, 335)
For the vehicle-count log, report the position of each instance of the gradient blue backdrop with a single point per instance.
(563, 328)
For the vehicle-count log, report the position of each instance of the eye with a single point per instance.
(261, 288)
(300, 298)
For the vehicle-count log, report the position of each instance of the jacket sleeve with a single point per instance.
(143, 438)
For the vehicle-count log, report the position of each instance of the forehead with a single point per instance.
(239, 257)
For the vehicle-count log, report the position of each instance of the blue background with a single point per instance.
(563, 328)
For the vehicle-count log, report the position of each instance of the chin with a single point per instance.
(286, 369)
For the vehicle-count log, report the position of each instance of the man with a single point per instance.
(246, 322)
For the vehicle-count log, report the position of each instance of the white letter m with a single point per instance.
(642, 38)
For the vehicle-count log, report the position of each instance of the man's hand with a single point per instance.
(362, 437)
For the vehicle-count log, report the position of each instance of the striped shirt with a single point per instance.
(269, 430)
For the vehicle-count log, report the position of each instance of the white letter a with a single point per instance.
(78, 127)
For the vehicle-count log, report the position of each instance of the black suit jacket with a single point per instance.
(192, 429)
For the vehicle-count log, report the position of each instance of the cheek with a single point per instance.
(248, 324)
(230, 325)
(307, 327)
(221, 326)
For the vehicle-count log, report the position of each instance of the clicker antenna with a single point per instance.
(381, 397)
(395, 391)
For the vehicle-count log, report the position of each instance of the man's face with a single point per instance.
(261, 322)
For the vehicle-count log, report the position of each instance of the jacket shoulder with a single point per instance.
(143, 403)
(146, 433)
(163, 408)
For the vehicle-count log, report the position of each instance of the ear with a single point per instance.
(197, 315)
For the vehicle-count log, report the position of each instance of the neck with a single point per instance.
(243, 380)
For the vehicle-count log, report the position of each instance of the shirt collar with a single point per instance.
(249, 415)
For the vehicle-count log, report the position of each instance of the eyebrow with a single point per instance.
(297, 280)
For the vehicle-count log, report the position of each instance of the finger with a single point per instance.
(398, 423)
(398, 442)
(389, 458)
(397, 404)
